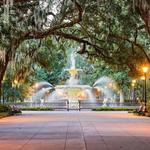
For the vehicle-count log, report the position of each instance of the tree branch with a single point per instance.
(131, 42)
(99, 51)
(50, 31)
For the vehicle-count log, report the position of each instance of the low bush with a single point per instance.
(142, 111)
(8, 110)
(148, 110)
(38, 109)
(5, 109)
(112, 109)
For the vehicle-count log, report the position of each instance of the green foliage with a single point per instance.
(37, 109)
(50, 61)
(4, 108)
(12, 92)
(111, 32)
(8, 110)
(116, 35)
(120, 76)
(112, 109)
(46, 64)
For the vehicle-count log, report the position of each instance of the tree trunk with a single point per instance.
(14, 44)
(2, 73)
(121, 97)
(3, 68)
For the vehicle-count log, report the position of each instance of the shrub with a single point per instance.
(148, 110)
(112, 109)
(142, 112)
(5, 109)
(38, 109)
(11, 110)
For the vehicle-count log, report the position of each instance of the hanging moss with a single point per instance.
(7, 4)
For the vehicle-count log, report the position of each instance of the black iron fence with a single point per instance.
(75, 105)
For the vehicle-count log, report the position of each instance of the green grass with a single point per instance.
(112, 109)
(37, 109)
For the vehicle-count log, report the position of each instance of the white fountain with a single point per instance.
(104, 89)
(72, 91)
(110, 91)
(38, 92)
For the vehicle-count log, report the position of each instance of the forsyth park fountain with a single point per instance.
(104, 90)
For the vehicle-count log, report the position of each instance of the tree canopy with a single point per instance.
(114, 31)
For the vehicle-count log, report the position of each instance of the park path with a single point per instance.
(75, 131)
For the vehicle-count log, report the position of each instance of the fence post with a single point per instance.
(79, 105)
(67, 105)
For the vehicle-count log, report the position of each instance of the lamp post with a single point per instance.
(143, 81)
(133, 88)
(145, 70)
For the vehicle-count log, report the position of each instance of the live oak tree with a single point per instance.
(46, 64)
(108, 29)
(25, 19)
(114, 32)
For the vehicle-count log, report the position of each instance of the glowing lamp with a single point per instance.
(145, 69)
(36, 85)
(134, 81)
(82, 94)
(97, 89)
(133, 84)
(15, 82)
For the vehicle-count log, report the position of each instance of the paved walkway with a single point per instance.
(75, 131)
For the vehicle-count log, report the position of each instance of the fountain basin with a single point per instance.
(73, 86)
(73, 92)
